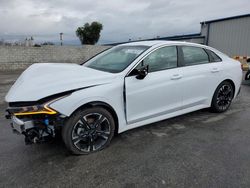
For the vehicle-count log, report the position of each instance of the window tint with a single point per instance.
(163, 58)
(214, 57)
(194, 55)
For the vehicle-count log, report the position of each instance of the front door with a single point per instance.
(158, 93)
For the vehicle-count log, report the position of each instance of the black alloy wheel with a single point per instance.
(223, 97)
(88, 131)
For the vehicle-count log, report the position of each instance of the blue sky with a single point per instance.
(122, 19)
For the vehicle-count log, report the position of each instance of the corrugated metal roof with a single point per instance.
(175, 37)
(188, 36)
(227, 18)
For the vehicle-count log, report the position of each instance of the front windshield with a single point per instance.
(115, 59)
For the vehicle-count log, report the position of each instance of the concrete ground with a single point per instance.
(200, 149)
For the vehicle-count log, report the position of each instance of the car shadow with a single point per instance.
(246, 82)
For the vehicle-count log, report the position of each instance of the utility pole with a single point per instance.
(61, 38)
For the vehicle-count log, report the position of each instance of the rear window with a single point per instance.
(194, 55)
(214, 57)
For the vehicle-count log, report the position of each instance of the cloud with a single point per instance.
(122, 20)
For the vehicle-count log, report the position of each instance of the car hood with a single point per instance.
(45, 79)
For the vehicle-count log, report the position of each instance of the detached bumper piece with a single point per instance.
(35, 128)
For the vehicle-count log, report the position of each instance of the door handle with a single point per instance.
(176, 77)
(214, 70)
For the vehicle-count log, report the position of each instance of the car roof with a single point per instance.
(146, 43)
(159, 43)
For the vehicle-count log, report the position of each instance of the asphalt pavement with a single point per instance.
(199, 149)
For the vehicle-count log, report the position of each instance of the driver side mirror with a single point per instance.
(142, 72)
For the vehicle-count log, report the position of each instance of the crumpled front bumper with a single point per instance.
(19, 126)
(35, 128)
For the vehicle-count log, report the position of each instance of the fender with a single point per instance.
(69, 104)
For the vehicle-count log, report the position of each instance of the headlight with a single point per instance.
(37, 109)
(30, 110)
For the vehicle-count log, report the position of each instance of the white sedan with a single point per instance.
(127, 86)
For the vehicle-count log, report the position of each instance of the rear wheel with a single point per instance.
(88, 130)
(223, 97)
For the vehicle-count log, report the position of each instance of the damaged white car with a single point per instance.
(127, 86)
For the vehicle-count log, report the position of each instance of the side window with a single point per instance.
(214, 57)
(163, 58)
(194, 55)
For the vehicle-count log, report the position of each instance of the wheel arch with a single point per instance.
(231, 82)
(104, 105)
(226, 80)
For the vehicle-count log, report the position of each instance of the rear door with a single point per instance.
(158, 93)
(200, 76)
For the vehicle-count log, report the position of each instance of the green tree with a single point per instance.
(89, 33)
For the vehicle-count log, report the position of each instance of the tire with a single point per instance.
(88, 130)
(247, 77)
(222, 97)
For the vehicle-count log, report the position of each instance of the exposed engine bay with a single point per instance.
(36, 128)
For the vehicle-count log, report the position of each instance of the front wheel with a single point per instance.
(88, 130)
(222, 97)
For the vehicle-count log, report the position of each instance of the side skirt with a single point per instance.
(162, 117)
